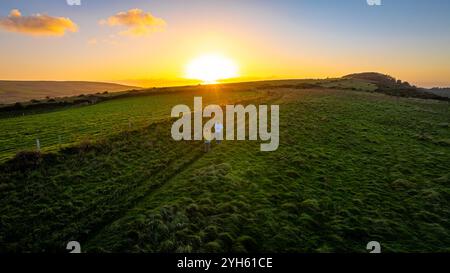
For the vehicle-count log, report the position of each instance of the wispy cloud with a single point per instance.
(136, 21)
(37, 25)
(92, 41)
(109, 40)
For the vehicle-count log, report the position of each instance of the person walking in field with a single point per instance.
(208, 137)
(218, 127)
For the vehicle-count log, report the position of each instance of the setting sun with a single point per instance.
(211, 68)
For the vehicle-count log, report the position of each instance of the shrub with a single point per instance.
(213, 247)
(25, 160)
(246, 243)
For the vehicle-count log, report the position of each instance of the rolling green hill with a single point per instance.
(351, 167)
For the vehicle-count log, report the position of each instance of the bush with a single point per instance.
(248, 243)
(25, 160)
(213, 247)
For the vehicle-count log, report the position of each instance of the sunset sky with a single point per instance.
(150, 42)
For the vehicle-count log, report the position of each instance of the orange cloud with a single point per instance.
(137, 22)
(37, 24)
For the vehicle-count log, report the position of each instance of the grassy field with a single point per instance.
(80, 123)
(351, 167)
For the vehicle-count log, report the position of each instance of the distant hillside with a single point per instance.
(18, 91)
(443, 92)
(389, 85)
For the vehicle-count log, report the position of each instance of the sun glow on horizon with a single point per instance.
(211, 68)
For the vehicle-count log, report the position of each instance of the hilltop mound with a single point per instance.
(382, 80)
(391, 86)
